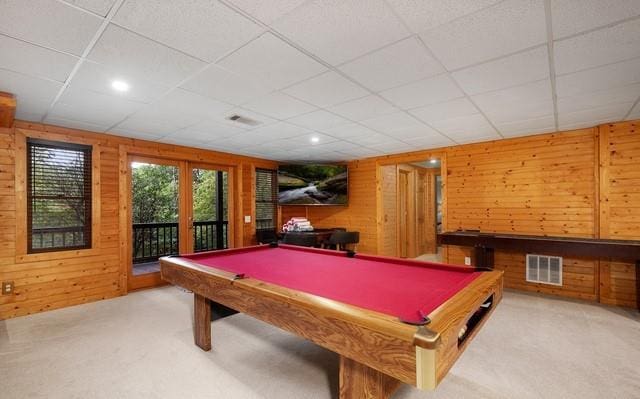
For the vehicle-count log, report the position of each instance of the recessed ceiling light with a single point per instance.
(120, 85)
(434, 161)
(315, 139)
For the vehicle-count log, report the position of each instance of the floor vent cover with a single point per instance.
(544, 269)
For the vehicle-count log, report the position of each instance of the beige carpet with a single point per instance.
(140, 346)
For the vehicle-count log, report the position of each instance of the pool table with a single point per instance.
(391, 320)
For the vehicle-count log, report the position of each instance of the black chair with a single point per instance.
(266, 236)
(341, 239)
(300, 239)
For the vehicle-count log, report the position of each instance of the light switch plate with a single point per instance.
(247, 219)
(467, 260)
(7, 287)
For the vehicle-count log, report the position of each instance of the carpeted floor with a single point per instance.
(141, 346)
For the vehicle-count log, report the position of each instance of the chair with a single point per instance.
(266, 236)
(341, 239)
(300, 239)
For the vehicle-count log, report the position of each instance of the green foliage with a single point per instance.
(313, 172)
(205, 189)
(155, 193)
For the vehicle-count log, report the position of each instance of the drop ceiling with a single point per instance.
(360, 77)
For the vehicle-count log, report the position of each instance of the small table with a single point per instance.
(391, 320)
(321, 235)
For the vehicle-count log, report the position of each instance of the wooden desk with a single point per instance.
(484, 245)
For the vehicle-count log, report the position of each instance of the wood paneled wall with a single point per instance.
(619, 206)
(55, 280)
(581, 183)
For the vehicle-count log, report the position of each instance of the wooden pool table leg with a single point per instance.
(358, 381)
(202, 321)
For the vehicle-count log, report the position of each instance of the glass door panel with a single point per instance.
(155, 204)
(210, 209)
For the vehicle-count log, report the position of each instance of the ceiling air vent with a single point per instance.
(544, 269)
(243, 120)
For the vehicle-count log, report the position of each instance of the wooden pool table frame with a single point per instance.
(377, 351)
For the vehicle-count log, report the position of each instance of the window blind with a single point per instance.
(266, 199)
(58, 196)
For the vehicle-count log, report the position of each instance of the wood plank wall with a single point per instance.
(619, 206)
(50, 281)
(543, 184)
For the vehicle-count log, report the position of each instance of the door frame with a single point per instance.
(183, 158)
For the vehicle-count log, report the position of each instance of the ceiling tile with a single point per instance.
(184, 140)
(505, 28)
(100, 7)
(392, 147)
(91, 107)
(75, 124)
(447, 110)
(210, 129)
(202, 28)
(605, 46)
(319, 120)
(526, 127)
(134, 134)
(260, 119)
(592, 117)
(48, 23)
(395, 65)
(360, 152)
(599, 99)
(421, 15)
(429, 141)
(529, 101)
(326, 90)
(573, 16)
(513, 70)
(128, 53)
(27, 88)
(267, 11)
(96, 77)
(351, 131)
(36, 61)
(272, 62)
(466, 128)
(30, 109)
(371, 139)
(279, 130)
(279, 105)
(363, 108)
(338, 31)
(600, 78)
(185, 103)
(392, 122)
(424, 92)
(223, 85)
(635, 113)
(148, 123)
(335, 145)
(305, 141)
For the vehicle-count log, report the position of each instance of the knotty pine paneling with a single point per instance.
(51, 281)
(619, 206)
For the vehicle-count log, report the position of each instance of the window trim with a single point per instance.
(275, 202)
(87, 201)
(21, 159)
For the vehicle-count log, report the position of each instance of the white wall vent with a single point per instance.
(544, 269)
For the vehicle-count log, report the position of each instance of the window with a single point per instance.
(58, 196)
(266, 199)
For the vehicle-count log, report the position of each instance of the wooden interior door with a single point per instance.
(406, 212)
(389, 228)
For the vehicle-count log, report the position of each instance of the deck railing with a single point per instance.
(153, 240)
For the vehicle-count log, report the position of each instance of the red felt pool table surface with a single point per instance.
(407, 289)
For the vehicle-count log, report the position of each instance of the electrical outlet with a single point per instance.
(247, 219)
(467, 260)
(7, 287)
